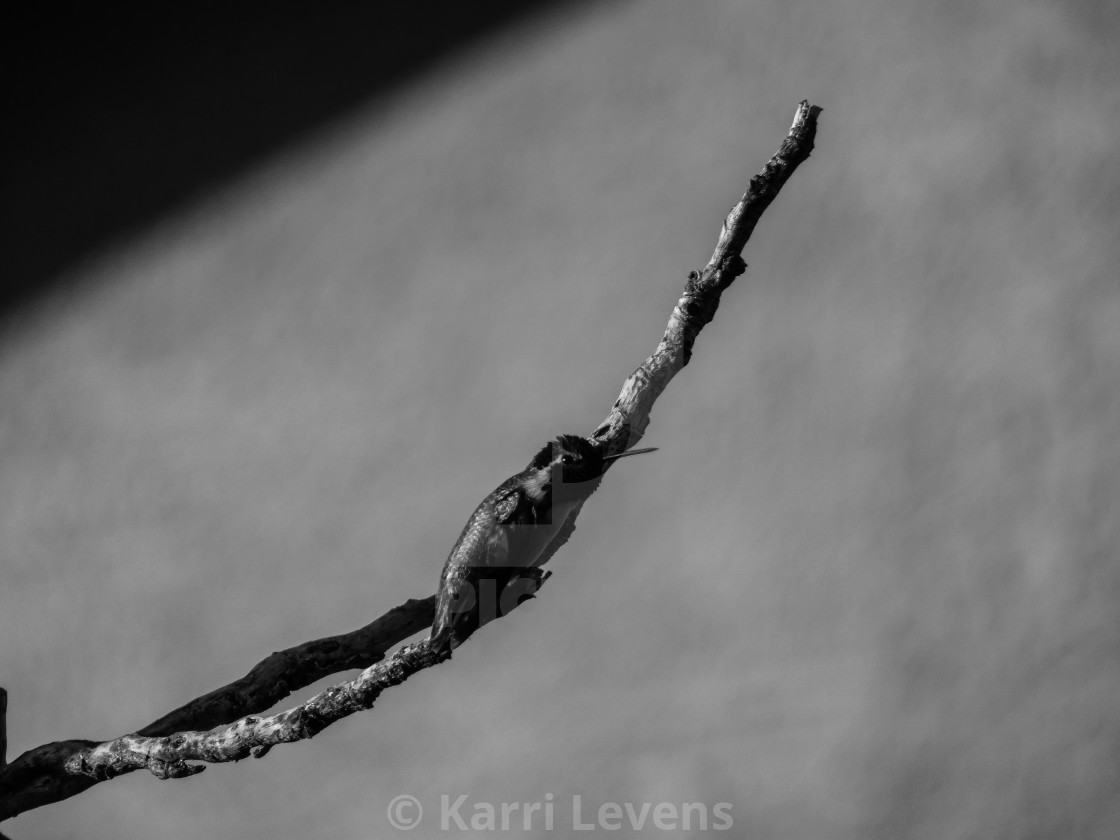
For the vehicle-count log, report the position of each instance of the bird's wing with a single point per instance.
(507, 503)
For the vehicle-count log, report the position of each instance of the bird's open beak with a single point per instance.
(631, 452)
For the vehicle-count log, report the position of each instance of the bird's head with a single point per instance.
(571, 459)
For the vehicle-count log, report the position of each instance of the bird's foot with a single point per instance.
(533, 573)
(523, 585)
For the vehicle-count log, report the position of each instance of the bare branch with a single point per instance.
(167, 757)
(39, 776)
(56, 771)
(629, 416)
(278, 675)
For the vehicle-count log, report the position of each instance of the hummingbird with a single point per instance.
(496, 560)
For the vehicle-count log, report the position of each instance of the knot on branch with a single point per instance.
(179, 769)
(101, 772)
(77, 765)
(695, 309)
(305, 723)
(731, 268)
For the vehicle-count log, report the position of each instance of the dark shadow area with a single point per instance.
(113, 121)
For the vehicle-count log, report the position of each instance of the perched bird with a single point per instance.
(496, 560)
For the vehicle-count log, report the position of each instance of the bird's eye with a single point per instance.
(565, 459)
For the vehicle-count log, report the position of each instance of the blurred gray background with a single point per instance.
(868, 587)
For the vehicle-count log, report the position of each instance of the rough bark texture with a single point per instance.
(167, 757)
(39, 776)
(56, 771)
(278, 675)
(629, 416)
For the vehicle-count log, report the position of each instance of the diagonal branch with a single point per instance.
(278, 675)
(39, 776)
(629, 416)
(59, 770)
(167, 757)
